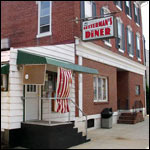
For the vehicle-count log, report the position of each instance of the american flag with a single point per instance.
(64, 81)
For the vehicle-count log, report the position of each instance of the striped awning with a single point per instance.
(5, 69)
(30, 58)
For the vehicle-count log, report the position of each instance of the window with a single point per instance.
(129, 41)
(128, 8)
(120, 45)
(136, 14)
(100, 89)
(44, 18)
(31, 88)
(88, 9)
(104, 11)
(4, 82)
(138, 45)
(137, 90)
(119, 4)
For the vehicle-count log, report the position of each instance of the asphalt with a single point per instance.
(120, 136)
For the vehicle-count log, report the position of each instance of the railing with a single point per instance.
(137, 104)
(42, 98)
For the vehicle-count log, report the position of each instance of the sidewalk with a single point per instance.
(121, 136)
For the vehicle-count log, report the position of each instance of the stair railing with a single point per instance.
(55, 98)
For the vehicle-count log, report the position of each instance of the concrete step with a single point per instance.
(126, 121)
(127, 114)
(127, 117)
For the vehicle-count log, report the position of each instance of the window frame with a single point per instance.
(130, 30)
(107, 41)
(49, 33)
(121, 22)
(33, 87)
(138, 39)
(129, 15)
(137, 93)
(102, 92)
(86, 16)
(118, 5)
(138, 17)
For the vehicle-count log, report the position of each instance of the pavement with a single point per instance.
(120, 136)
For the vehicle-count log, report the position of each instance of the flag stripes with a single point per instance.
(64, 81)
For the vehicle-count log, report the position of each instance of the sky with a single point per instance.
(145, 22)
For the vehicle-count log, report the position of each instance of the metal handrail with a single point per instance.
(23, 98)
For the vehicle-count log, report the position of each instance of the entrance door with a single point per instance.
(31, 102)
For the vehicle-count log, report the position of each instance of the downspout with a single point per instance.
(144, 58)
(80, 84)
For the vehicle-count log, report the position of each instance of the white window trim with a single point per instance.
(129, 28)
(91, 8)
(134, 10)
(138, 34)
(100, 100)
(118, 7)
(139, 59)
(137, 24)
(107, 43)
(131, 55)
(129, 17)
(39, 35)
(120, 50)
(119, 20)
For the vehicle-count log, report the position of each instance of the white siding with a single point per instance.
(11, 103)
(57, 116)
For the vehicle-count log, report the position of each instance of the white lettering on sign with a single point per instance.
(98, 28)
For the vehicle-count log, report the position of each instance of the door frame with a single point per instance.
(38, 88)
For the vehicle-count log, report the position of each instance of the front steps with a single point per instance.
(130, 118)
(50, 137)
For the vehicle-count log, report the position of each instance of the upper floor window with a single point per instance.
(138, 46)
(88, 9)
(136, 13)
(128, 9)
(130, 42)
(120, 40)
(100, 89)
(118, 4)
(44, 18)
(105, 11)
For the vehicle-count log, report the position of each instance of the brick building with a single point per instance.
(53, 29)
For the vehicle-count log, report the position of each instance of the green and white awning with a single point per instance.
(30, 58)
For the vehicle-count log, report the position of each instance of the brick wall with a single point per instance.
(89, 106)
(126, 84)
(20, 23)
(135, 79)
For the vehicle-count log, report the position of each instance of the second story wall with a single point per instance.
(20, 24)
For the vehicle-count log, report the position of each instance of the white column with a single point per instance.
(80, 88)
